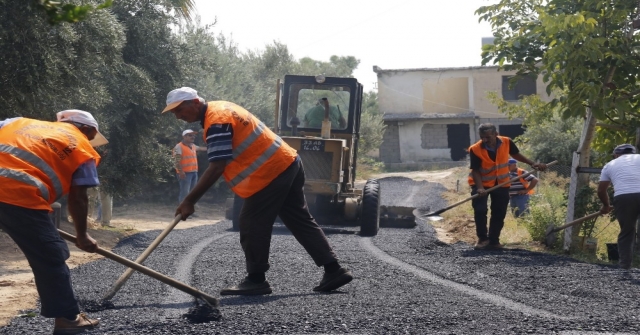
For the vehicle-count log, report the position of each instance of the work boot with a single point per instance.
(494, 246)
(481, 245)
(247, 287)
(334, 280)
(64, 326)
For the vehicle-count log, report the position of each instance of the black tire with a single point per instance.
(370, 213)
(237, 207)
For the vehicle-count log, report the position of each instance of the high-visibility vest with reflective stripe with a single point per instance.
(188, 159)
(259, 155)
(524, 183)
(38, 159)
(492, 172)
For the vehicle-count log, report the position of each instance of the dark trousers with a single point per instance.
(499, 207)
(627, 209)
(38, 238)
(283, 197)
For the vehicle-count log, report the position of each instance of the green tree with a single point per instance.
(586, 50)
(58, 12)
(371, 124)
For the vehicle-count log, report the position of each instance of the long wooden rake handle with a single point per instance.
(147, 271)
(127, 273)
(488, 190)
(575, 222)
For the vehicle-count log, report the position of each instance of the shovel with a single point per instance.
(125, 276)
(151, 273)
(434, 216)
(550, 238)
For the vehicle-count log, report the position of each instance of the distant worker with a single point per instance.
(624, 173)
(40, 162)
(489, 163)
(315, 115)
(520, 189)
(186, 163)
(261, 168)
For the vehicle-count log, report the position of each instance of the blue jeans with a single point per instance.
(46, 251)
(187, 184)
(520, 203)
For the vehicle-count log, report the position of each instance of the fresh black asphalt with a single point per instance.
(406, 282)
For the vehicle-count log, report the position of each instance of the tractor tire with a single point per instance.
(237, 207)
(370, 214)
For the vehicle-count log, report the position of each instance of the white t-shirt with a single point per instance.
(624, 173)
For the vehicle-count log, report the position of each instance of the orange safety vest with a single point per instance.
(492, 172)
(259, 155)
(188, 159)
(38, 159)
(525, 184)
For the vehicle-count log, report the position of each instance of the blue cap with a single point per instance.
(513, 161)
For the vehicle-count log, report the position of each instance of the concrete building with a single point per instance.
(432, 114)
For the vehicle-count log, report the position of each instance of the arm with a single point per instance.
(208, 178)
(199, 148)
(538, 166)
(78, 203)
(177, 157)
(477, 179)
(475, 164)
(604, 197)
(533, 181)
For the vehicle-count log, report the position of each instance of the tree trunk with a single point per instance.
(580, 159)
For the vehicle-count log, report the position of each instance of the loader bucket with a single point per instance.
(397, 217)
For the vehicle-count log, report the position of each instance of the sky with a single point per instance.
(392, 34)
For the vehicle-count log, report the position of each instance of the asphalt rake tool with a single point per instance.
(209, 300)
(125, 276)
(550, 237)
(435, 216)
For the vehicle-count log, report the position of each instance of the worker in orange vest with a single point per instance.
(521, 189)
(186, 163)
(40, 162)
(261, 168)
(489, 167)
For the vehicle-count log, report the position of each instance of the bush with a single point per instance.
(547, 207)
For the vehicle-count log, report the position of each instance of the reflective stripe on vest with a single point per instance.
(28, 179)
(188, 159)
(260, 160)
(489, 169)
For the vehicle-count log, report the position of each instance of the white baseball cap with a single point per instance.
(188, 131)
(177, 96)
(82, 117)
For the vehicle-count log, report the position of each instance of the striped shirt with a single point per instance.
(517, 185)
(219, 142)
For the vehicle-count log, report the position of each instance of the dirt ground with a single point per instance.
(17, 288)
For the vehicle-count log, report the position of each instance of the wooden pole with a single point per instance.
(151, 273)
(125, 276)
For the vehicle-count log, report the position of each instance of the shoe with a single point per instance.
(332, 281)
(64, 326)
(496, 246)
(481, 245)
(247, 287)
(107, 224)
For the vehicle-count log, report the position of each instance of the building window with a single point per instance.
(524, 86)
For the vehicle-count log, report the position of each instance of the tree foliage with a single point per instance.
(58, 12)
(587, 50)
(120, 63)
